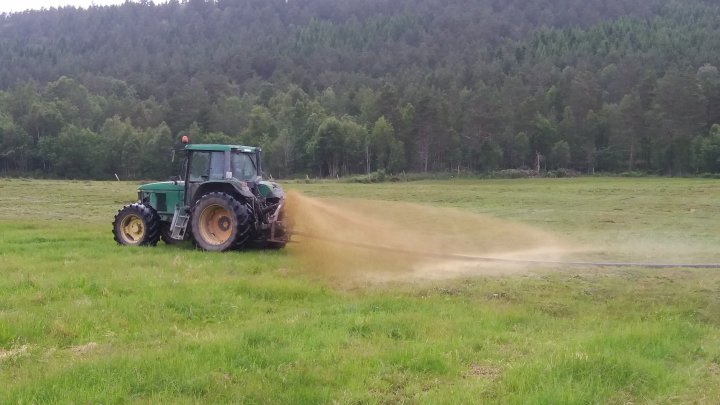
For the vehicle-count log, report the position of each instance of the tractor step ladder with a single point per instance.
(179, 223)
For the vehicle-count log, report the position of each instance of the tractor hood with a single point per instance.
(163, 186)
(164, 197)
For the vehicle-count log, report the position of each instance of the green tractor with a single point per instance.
(222, 203)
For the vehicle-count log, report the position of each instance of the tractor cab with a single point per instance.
(221, 166)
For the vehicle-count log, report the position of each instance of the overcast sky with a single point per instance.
(7, 6)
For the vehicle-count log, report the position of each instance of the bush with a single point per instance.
(562, 173)
(633, 173)
(378, 176)
(513, 174)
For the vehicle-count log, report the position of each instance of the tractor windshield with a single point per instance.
(243, 166)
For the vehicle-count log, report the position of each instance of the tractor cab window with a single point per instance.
(217, 165)
(243, 166)
(199, 166)
(207, 166)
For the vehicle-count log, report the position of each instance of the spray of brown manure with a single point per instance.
(363, 240)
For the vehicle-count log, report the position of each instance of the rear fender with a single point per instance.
(270, 189)
(234, 188)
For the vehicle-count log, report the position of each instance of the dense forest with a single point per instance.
(340, 87)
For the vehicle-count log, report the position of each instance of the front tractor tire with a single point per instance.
(137, 225)
(220, 222)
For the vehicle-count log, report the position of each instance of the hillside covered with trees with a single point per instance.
(338, 87)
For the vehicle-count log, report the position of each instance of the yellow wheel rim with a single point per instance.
(215, 224)
(132, 229)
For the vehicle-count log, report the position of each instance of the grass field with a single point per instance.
(83, 320)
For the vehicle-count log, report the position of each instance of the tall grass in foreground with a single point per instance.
(83, 320)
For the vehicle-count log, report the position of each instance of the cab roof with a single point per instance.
(221, 148)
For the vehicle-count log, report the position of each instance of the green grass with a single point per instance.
(85, 321)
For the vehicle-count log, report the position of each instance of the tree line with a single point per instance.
(333, 88)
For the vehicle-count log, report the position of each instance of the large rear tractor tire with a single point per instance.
(220, 222)
(137, 225)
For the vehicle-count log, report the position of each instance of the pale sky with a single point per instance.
(7, 6)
